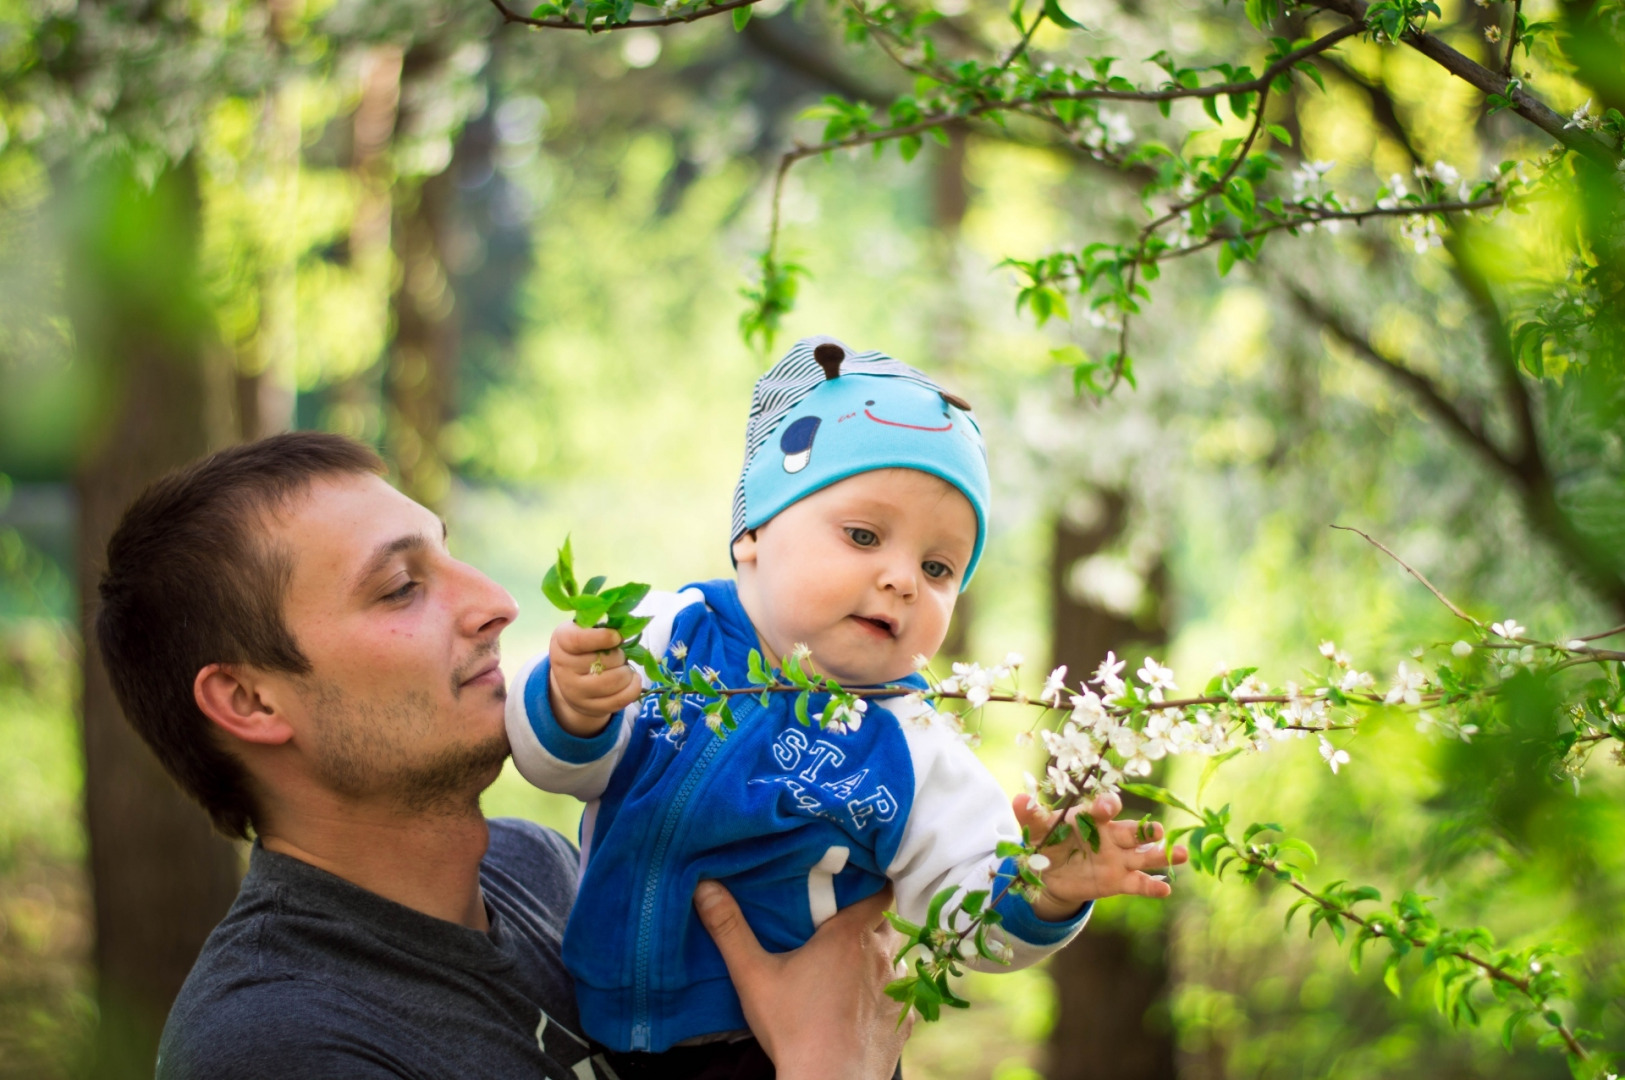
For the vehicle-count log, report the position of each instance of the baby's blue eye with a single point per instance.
(934, 569)
(863, 537)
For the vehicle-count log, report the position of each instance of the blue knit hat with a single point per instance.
(824, 413)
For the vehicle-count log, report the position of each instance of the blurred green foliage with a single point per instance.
(611, 201)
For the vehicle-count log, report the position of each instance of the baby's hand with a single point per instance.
(1078, 873)
(590, 679)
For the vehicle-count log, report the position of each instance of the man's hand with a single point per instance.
(1078, 873)
(590, 680)
(819, 1011)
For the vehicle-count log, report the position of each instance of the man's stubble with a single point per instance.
(364, 751)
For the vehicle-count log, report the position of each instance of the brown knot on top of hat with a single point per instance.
(829, 356)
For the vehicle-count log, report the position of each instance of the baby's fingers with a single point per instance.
(572, 640)
(1154, 856)
(1138, 884)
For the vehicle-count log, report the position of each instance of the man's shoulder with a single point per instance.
(247, 1027)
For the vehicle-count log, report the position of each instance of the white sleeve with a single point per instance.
(552, 758)
(959, 816)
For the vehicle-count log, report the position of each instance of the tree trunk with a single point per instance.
(161, 877)
(421, 378)
(1111, 986)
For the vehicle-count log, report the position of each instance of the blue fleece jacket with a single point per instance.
(795, 821)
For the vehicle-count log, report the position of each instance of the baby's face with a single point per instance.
(864, 572)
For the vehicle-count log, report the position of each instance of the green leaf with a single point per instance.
(1227, 257)
(594, 584)
(1279, 134)
(1053, 12)
(566, 567)
(1390, 975)
(1160, 795)
(741, 16)
(554, 590)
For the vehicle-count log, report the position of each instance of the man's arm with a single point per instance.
(819, 1011)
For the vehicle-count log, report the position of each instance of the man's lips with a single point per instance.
(488, 673)
(877, 624)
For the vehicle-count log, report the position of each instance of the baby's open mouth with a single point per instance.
(879, 623)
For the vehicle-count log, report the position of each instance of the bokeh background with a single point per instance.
(512, 261)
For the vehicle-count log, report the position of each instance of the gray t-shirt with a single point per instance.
(313, 977)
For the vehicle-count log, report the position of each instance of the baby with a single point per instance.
(859, 518)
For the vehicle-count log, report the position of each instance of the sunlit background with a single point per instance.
(513, 262)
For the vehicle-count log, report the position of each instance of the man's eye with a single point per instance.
(863, 537)
(934, 569)
(403, 592)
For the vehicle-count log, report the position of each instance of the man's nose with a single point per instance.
(483, 606)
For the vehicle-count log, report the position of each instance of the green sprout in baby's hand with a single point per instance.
(596, 606)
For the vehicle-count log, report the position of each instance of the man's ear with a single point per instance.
(235, 699)
(744, 548)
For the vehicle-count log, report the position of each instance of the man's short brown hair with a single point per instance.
(191, 581)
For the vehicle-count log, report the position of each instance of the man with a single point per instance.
(291, 637)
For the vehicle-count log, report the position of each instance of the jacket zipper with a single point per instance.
(641, 1027)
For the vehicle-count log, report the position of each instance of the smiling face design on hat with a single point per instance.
(906, 406)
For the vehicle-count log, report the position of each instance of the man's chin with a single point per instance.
(451, 783)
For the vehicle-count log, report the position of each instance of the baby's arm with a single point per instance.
(959, 817)
(571, 710)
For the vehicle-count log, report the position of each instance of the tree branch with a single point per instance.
(1524, 103)
(1426, 391)
(1413, 571)
(511, 16)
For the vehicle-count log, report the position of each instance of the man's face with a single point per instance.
(404, 702)
(864, 572)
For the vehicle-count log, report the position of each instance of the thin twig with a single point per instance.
(1605, 633)
(511, 16)
(1415, 573)
(1512, 35)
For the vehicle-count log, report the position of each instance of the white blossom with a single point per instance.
(1328, 649)
(1407, 686)
(1396, 191)
(1072, 749)
(1037, 862)
(844, 718)
(1061, 782)
(1355, 680)
(1461, 648)
(679, 652)
(1013, 660)
(1156, 676)
(921, 661)
(1051, 694)
(1332, 755)
(1509, 629)
(1581, 118)
(1107, 675)
(1089, 711)
(1422, 232)
(801, 651)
